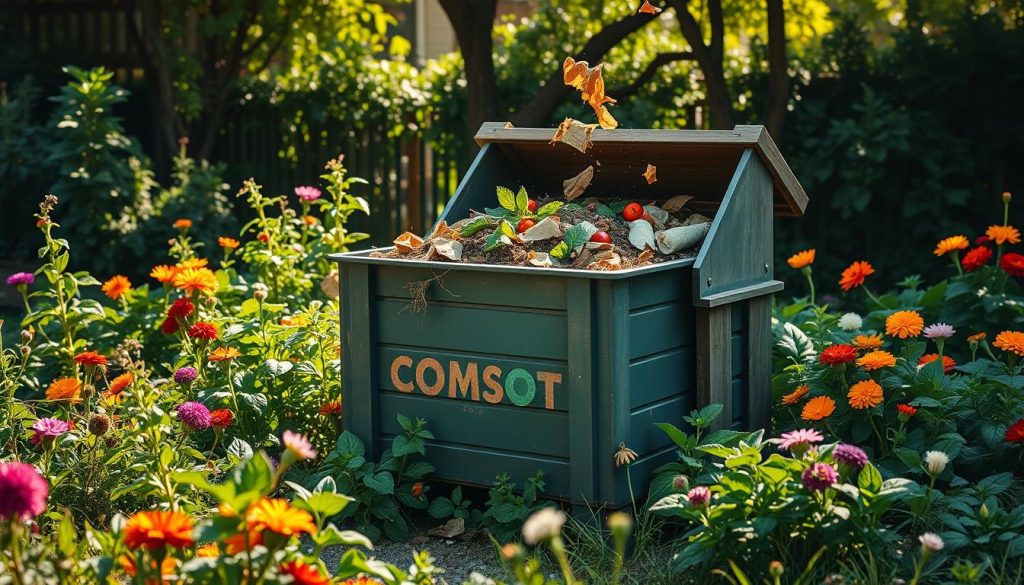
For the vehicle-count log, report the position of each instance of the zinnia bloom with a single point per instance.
(947, 362)
(23, 491)
(185, 375)
(906, 410)
(163, 273)
(818, 408)
(951, 244)
(228, 243)
(203, 330)
(278, 516)
(298, 445)
(223, 354)
(182, 224)
(931, 541)
(801, 259)
(64, 389)
(868, 342)
(181, 309)
(303, 574)
(976, 258)
(307, 193)
(221, 419)
(799, 437)
(876, 360)
(331, 408)
(865, 394)
(839, 353)
(116, 287)
(90, 358)
(819, 477)
(904, 324)
(851, 455)
(699, 496)
(48, 429)
(855, 274)
(194, 415)
(1011, 341)
(1015, 433)
(939, 331)
(1012, 263)
(1001, 234)
(795, 396)
(194, 280)
(976, 337)
(153, 529)
(21, 279)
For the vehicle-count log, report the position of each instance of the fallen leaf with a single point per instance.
(590, 82)
(651, 173)
(645, 256)
(648, 8)
(676, 203)
(330, 285)
(575, 186)
(449, 529)
(408, 243)
(445, 248)
(605, 118)
(574, 133)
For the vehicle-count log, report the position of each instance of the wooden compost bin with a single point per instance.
(522, 368)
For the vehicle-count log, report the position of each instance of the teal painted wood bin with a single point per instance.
(522, 368)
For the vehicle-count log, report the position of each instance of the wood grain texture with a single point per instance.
(714, 360)
(759, 362)
(613, 343)
(358, 358)
(480, 288)
(582, 464)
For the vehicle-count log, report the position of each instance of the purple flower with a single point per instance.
(699, 496)
(194, 415)
(939, 331)
(799, 439)
(307, 193)
(851, 455)
(185, 375)
(819, 477)
(48, 429)
(22, 491)
(21, 279)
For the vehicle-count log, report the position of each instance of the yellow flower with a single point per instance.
(876, 360)
(904, 324)
(951, 244)
(1002, 234)
(801, 259)
(210, 549)
(164, 273)
(116, 287)
(277, 515)
(193, 263)
(795, 396)
(196, 279)
(865, 394)
(868, 342)
(818, 408)
(223, 354)
(1011, 341)
(295, 321)
(227, 243)
(64, 389)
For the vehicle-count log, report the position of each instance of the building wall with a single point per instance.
(434, 34)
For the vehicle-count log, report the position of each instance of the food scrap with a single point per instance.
(590, 82)
(574, 133)
(651, 173)
(648, 8)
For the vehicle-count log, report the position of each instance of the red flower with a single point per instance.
(331, 408)
(203, 330)
(1012, 263)
(982, 239)
(180, 309)
(221, 418)
(947, 362)
(839, 353)
(417, 489)
(169, 326)
(90, 358)
(263, 237)
(1015, 434)
(303, 574)
(906, 409)
(976, 258)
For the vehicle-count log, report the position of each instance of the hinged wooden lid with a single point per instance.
(689, 162)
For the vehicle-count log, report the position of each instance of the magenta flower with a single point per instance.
(851, 455)
(939, 331)
(185, 375)
(194, 415)
(22, 491)
(799, 440)
(48, 429)
(819, 477)
(699, 496)
(307, 193)
(298, 445)
(21, 279)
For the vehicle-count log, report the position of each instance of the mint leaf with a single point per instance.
(506, 198)
(522, 201)
(549, 209)
(575, 236)
(498, 212)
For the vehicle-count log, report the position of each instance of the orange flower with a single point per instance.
(235, 543)
(855, 274)
(904, 324)
(976, 337)
(310, 220)
(364, 580)
(90, 358)
(223, 354)
(152, 529)
(868, 342)
(837, 354)
(1011, 341)
(210, 549)
(183, 224)
(64, 389)
(331, 408)
(947, 362)
(1002, 234)
(116, 287)
(196, 279)
(801, 259)
(951, 244)
(303, 574)
(167, 567)
(876, 360)
(193, 263)
(818, 408)
(228, 243)
(278, 516)
(865, 394)
(796, 395)
(117, 386)
(295, 321)
(163, 273)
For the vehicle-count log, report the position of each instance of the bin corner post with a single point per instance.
(581, 390)
(759, 362)
(714, 360)
(358, 357)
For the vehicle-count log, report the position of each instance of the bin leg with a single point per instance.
(714, 360)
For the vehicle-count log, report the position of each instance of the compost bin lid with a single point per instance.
(700, 163)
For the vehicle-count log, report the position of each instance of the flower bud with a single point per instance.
(88, 391)
(681, 483)
(259, 292)
(1007, 196)
(27, 335)
(99, 424)
(935, 462)
(983, 512)
(775, 569)
(620, 524)
(25, 350)
(512, 551)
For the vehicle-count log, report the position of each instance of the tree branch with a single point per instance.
(659, 61)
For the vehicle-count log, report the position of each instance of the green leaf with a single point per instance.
(476, 225)
(441, 508)
(277, 368)
(575, 236)
(381, 482)
(549, 209)
(678, 437)
(331, 535)
(870, 480)
(561, 251)
(909, 457)
(326, 504)
(67, 537)
(508, 229)
(403, 446)
(719, 450)
(605, 211)
(496, 240)
(522, 201)
(506, 198)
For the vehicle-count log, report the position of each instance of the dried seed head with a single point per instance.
(88, 391)
(99, 424)
(624, 456)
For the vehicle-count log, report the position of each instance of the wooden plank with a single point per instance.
(759, 362)
(482, 288)
(657, 377)
(581, 356)
(480, 425)
(741, 293)
(658, 288)
(785, 180)
(660, 328)
(644, 437)
(358, 365)
(612, 346)
(714, 345)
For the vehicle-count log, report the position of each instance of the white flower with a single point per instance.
(936, 461)
(850, 322)
(931, 541)
(543, 525)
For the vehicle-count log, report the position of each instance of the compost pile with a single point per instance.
(589, 234)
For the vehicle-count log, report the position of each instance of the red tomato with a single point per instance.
(525, 224)
(601, 236)
(532, 206)
(633, 212)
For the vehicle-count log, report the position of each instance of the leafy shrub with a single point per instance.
(505, 510)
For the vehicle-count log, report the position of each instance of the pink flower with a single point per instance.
(799, 439)
(307, 193)
(48, 429)
(298, 445)
(194, 415)
(819, 477)
(699, 496)
(21, 279)
(22, 491)
(939, 331)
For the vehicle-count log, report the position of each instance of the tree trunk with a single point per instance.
(709, 57)
(778, 70)
(473, 22)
